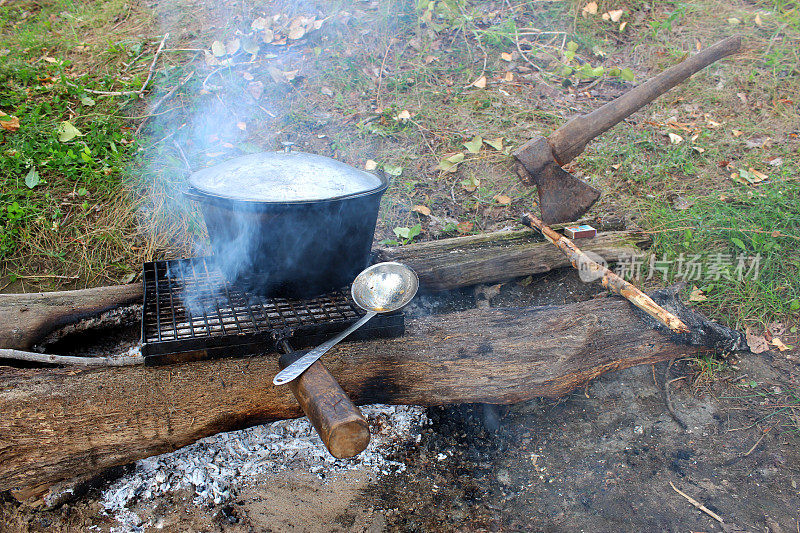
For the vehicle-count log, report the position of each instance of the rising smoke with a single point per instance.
(233, 100)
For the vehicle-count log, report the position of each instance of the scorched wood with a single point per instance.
(63, 422)
(27, 318)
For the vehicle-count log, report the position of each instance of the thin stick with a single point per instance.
(751, 450)
(668, 399)
(609, 280)
(160, 101)
(697, 504)
(34, 357)
(150, 73)
(380, 77)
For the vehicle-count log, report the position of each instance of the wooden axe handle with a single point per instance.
(339, 423)
(569, 141)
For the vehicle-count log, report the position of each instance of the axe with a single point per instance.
(562, 196)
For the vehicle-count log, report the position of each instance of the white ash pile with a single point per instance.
(215, 467)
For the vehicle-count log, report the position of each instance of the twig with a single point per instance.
(183, 156)
(697, 504)
(521, 53)
(33, 357)
(668, 398)
(609, 279)
(380, 77)
(751, 450)
(127, 14)
(47, 276)
(150, 73)
(160, 101)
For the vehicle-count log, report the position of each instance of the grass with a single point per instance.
(104, 204)
(62, 218)
(739, 224)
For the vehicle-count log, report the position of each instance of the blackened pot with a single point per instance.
(294, 248)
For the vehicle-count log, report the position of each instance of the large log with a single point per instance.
(59, 423)
(26, 319)
(500, 256)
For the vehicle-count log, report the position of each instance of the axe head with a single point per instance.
(562, 196)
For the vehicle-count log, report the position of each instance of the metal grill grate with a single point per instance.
(189, 306)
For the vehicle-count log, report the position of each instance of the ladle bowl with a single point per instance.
(381, 288)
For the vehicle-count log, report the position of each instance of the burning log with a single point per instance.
(61, 422)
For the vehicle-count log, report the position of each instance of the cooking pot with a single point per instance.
(288, 223)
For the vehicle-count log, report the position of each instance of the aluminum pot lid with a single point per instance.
(283, 177)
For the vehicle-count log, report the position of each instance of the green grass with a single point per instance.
(59, 197)
(740, 222)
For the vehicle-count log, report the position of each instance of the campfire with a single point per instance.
(279, 282)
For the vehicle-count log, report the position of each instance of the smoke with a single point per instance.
(231, 99)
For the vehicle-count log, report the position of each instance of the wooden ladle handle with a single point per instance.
(339, 423)
(569, 141)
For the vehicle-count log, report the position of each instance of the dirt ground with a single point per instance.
(601, 459)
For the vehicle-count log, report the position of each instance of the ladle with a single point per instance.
(381, 288)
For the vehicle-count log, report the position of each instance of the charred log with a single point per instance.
(62, 422)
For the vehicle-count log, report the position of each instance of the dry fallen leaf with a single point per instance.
(779, 344)
(370, 164)
(260, 24)
(290, 74)
(698, 149)
(464, 227)
(697, 295)
(674, 138)
(232, 46)
(9, 122)
(241, 125)
(623, 26)
(430, 59)
(760, 176)
(218, 49)
(758, 20)
(422, 210)
(615, 15)
(506, 56)
(502, 199)
(589, 9)
(296, 32)
(737, 133)
(268, 36)
(713, 124)
(255, 89)
(450, 162)
(480, 83)
(474, 145)
(496, 143)
(248, 76)
(756, 343)
(508, 77)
